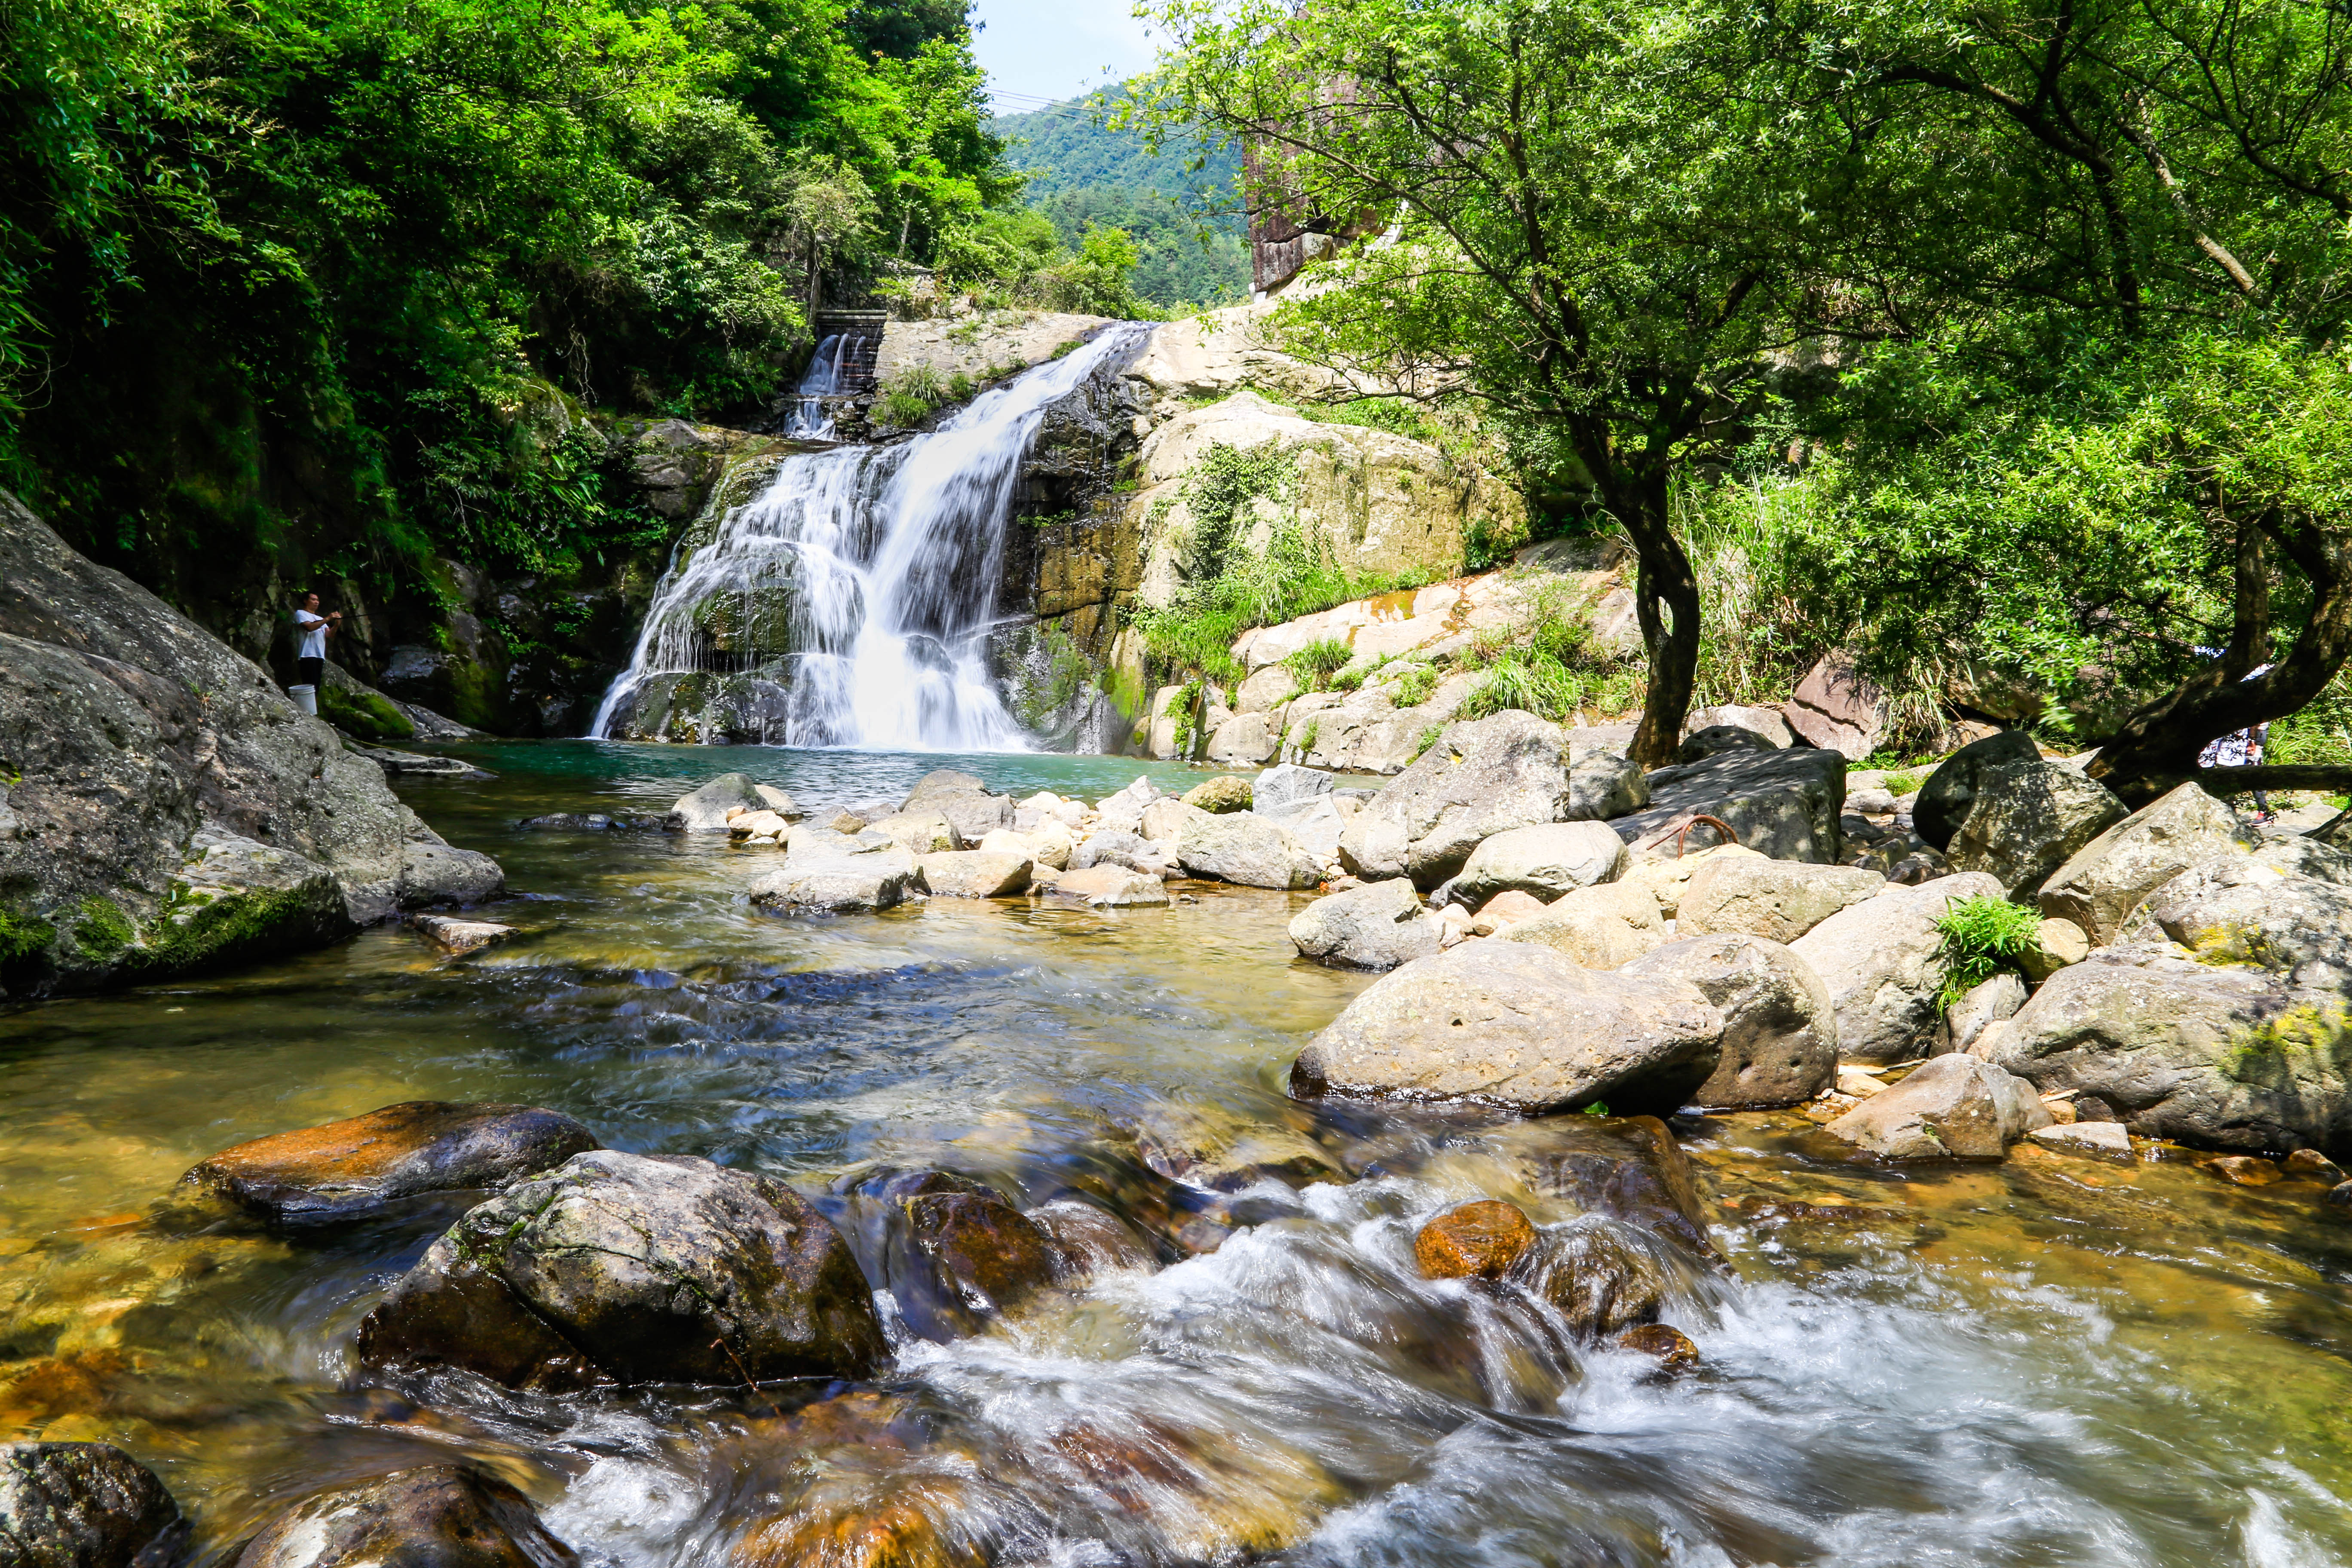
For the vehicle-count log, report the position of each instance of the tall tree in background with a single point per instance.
(1585, 224)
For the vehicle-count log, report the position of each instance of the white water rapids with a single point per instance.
(888, 558)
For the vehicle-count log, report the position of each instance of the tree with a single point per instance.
(1584, 229)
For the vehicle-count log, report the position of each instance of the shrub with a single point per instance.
(1351, 679)
(1982, 935)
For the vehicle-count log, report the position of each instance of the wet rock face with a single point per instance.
(1473, 1241)
(1516, 1024)
(1664, 1344)
(448, 1515)
(635, 1268)
(1626, 1167)
(84, 1505)
(975, 1256)
(1600, 1276)
(348, 1169)
(167, 809)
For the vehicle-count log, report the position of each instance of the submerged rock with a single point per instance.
(84, 1505)
(635, 1268)
(1516, 1024)
(1952, 1108)
(1088, 1240)
(1626, 1167)
(1600, 1276)
(437, 1516)
(457, 937)
(969, 1257)
(1377, 926)
(1664, 1344)
(346, 1169)
(1473, 1241)
(1780, 1027)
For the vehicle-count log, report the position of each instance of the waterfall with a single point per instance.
(850, 603)
(810, 419)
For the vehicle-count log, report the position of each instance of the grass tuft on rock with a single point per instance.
(1982, 936)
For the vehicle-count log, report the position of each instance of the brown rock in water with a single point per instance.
(347, 1169)
(1626, 1167)
(1088, 1241)
(457, 937)
(637, 1268)
(1669, 1345)
(438, 1516)
(910, 1529)
(84, 1505)
(1476, 1240)
(2340, 1198)
(1601, 1278)
(2312, 1164)
(984, 1257)
(2245, 1170)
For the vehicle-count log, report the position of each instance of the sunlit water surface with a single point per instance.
(2045, 1362)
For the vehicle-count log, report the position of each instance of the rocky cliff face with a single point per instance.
(163, 807)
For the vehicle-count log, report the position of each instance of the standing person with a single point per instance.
(311, 631)
(2241, 749)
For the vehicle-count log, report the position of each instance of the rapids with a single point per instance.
(2046, 1361)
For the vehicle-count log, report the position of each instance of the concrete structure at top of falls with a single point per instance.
(850, 603)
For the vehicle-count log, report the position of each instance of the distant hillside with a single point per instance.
(1083, 174)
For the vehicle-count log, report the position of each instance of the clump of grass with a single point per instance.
(1982, 936)
(1900, 785)
(909, 396)
(1313, 666)
(1415, 687)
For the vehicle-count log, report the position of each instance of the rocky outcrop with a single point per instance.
(2104, 879)
(1516, 1025)
(166, 808)
(1880, 960)
(84, 1505)
(1953, 1108)
(1780, 1040)
(1783, 804)
(450, 1516)
(2286, 907)
(2027, 819)
(1377, 926)
(633, 1269)
(350, 1169)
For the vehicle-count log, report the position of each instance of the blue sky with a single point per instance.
(1041, 51)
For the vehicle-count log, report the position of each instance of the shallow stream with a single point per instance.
(2049, 1362)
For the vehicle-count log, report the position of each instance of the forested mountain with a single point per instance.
(1180, 205)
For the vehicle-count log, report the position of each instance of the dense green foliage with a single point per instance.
(1982, 936)
(346, 272)
(1180, 204)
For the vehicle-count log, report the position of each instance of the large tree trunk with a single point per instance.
(2157, 746)
(1665, 598)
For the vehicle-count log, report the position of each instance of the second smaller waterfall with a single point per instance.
(850, 603)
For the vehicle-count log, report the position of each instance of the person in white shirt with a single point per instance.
(311, 631)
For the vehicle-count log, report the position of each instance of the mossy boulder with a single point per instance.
(1225, 793)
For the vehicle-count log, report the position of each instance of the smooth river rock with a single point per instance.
(635, 1268)
(1378, 925)
(704, 808)
(1111, 887)
(1480, 778)
(435, 1516)
(2028, 818)
(1477, 1240)
(1776, 900)
(1516, 1025)
(84, 1505)
(1780, 1026)
(975, 874)
(1951, 1108)
(1783, 805)
(1879, 960)
(348, 1169)
(1547, 860)
(1246, 849)
(824, 878)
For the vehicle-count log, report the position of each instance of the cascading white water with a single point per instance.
(883, 562)
(810, 419)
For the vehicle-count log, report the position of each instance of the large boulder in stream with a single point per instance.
(84, 1505)
(1244, 847)
(1516, 1024)
(163, 807)
(1951, 792)
(1783, 805)
(826, 872)
(437, 1516)
(1376, 926)
(1951, 1108)
(1882, 960)
(2028, 818)
(633, 1269)
(1481, 778)
(704, 808)
(2103, 880)
(350, 1169)
(1780, 1027)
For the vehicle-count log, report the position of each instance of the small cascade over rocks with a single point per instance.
(850, 604)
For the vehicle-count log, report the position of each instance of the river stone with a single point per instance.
(1667, 879)
(2056, 944)
(762, 827)
(704, 808)
(1952, 1108)
(1879, 960)
(1113, 886)
(1504, 910)
(1377, 926)
(975, 874)
(1546, 860)
(1599, 928)
(1768, 722)
(2251, 909)
(1602, 784)
(924, 831)
(837, 883)
(1245, 847)
(1480, 778)
(1598, 1274)
(1089, 1241)
(1516, 1025)
(1779, 899)
(1783, 805)
(1319, 824)
(457, 938)
(637, 1268)
(1718, 738)
(1982, 1006)
(1943, 801)
(1373, 846)
(1473, 1241)
(1662, 1343)
(941, 784)
(1117, 847)
(1285, 782)
(1123, 812)
(2104, 880)
(437, 1516)
(965, 1258)
(1779, 1029)
(348, 1169)
(2098, 1140)
(2028, 818)
(84, 1505)
(1220, 795)
(1626, 1167)
(166, 809)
